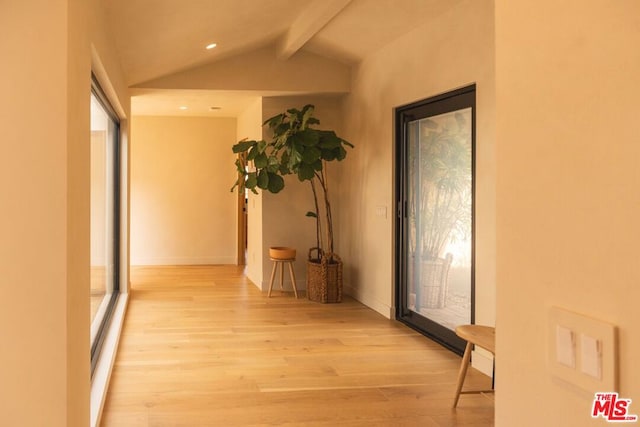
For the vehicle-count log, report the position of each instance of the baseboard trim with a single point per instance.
(482, 361)
(212, 260)
(369, 301)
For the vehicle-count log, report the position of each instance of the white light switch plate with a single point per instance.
(594, 351)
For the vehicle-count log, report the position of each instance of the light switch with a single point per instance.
(582, 351)
(381, 211)
(565, 347)
(591, 356)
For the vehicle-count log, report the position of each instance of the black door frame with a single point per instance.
(457, 99)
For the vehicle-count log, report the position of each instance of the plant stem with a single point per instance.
(318, 227)
(323, 182)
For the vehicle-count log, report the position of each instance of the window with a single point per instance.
(105, 218)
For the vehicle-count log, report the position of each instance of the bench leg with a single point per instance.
(466, 358)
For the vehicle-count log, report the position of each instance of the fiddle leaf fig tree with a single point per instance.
(295, 149)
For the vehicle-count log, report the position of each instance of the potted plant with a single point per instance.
(298, 148)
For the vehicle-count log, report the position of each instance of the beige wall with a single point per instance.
(182, 211)
(44, 182)
(448, 52)
(568, 198)
(37, 280)
(249, 127)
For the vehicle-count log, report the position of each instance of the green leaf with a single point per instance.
(307, 137)
(329, 155)
(317, 165)
(274, 121)
(252, 181)
(307, 113)
(276, 183)
(311, 214)
(273, 164)
(281, 129)
(305, 172)
(341, 154)
(261, 161)
(284, 169)
(310, 155)
(263, 179)
(295, 159)
(329, 139)
(253, 153)
(243, 146)
(283, 165)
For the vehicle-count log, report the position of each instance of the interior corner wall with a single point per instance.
(284, 221)
(568, 198)
(182, 211)
(250, 127)
(449, 51)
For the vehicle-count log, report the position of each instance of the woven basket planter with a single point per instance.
(434, 278)
(324, 279)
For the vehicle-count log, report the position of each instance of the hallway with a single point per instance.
(203, 347)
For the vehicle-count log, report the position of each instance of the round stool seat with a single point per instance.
(282, 253)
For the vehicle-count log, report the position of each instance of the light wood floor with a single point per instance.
(203, 347)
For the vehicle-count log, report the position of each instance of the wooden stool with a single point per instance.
(482, 336)
(281, 262)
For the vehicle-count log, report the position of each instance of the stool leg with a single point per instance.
(281, 275)
(293, 279)
(466, 358)
(273, 275)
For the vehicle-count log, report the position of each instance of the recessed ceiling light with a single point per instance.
(215, 108)
(183, 107)
(211, 45)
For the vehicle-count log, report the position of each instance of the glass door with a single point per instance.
(435, 266)
(105, 224)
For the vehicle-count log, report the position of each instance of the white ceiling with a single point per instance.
(155, 38)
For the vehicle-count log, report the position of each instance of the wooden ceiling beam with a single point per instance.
(308, 24)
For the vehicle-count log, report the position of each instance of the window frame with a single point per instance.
(464, 97)
(97, 344)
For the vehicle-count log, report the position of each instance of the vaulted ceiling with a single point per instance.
(160, 38)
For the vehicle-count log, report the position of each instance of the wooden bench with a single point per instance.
(482, 336)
